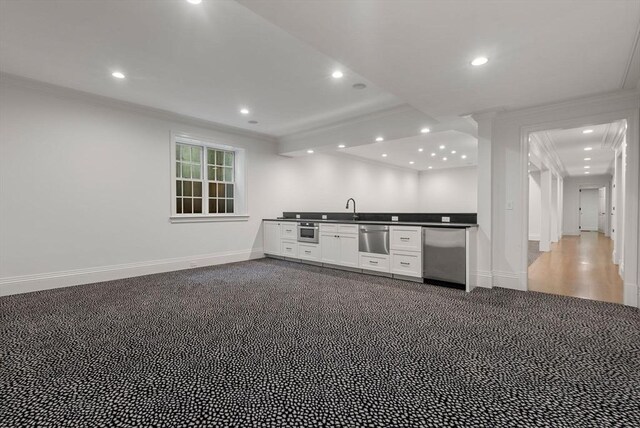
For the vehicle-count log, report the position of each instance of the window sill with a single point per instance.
(207, 218)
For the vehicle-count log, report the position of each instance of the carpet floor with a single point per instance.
(274, 343)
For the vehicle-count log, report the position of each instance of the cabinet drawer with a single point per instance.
(377, 262)
(327, 227)
(409, 263)
(289, 249)
(406, 238)
(309, 251)
(348, 228)
(289, 230)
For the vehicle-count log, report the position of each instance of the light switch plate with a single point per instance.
(394, 218)
(446, 219)
(297, 215)
(324, 216)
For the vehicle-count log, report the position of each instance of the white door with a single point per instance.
(589, 206)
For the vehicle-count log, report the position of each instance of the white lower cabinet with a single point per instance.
(376, 262)
(309, 252)
(271, 238)
(408, 263)
(348, 250)
(339, 248)
(289, 249)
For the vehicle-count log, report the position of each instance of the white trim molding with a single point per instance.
(484, 279)
(511, 280)
(46, 281)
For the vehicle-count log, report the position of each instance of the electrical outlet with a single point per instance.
(446, 219)
(509, 205)
(324, 216)
(394, 218)
(297, 215)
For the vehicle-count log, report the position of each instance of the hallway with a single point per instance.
(578, 266)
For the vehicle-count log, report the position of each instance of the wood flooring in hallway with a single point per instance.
(578, 266)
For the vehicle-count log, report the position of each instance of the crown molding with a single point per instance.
(631, 77)
(547, 149)
(15, 80)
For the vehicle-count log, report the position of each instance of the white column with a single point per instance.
(545, 210)
(484, 276)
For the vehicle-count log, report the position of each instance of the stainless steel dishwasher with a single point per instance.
(374, 239)
(444, 255)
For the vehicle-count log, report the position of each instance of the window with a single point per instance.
(208, 179)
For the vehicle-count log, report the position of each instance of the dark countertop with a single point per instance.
(392, 223)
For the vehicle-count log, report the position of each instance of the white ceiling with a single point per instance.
(539, 51)
(569, 145)
(276, 57)
(205, 61)
(403, 151)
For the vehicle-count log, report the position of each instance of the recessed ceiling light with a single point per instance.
(310, 151)
(195, 1)
(425, 130)
(420, 149)
(358, 86)
(430, 167)
(587, 159)
(433, 154)
(442, 147)
(341, 146)
(463, 156)
(411, 162)
(384, 155)
(586, 172)
(587, 167)
(453, 152)
(588, 148)
(337, 74)
(587, 131)
(244, 111)
(118, 75)
(481, 60)
(444, 159)
(379, 139)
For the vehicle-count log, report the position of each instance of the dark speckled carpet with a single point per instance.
(273, 343)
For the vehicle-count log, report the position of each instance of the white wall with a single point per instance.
(85, 190)
(572, 186)
(449, 190)
(534, 206)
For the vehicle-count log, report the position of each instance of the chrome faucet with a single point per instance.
(355, 215)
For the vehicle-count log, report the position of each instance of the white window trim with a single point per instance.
(240, 179)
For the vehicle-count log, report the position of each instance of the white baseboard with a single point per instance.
(630, 294)
(46, 281)
(511, 280)
(484, 279)
(534, 237)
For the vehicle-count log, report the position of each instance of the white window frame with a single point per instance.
(240, 180)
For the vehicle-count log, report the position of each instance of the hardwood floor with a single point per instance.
(578, 266)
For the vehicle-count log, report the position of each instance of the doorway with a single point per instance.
(571, 174)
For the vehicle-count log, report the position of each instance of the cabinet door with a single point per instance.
(348, 250)
(271, 244)
(329, 248)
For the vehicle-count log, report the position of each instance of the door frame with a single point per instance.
(631, 276)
